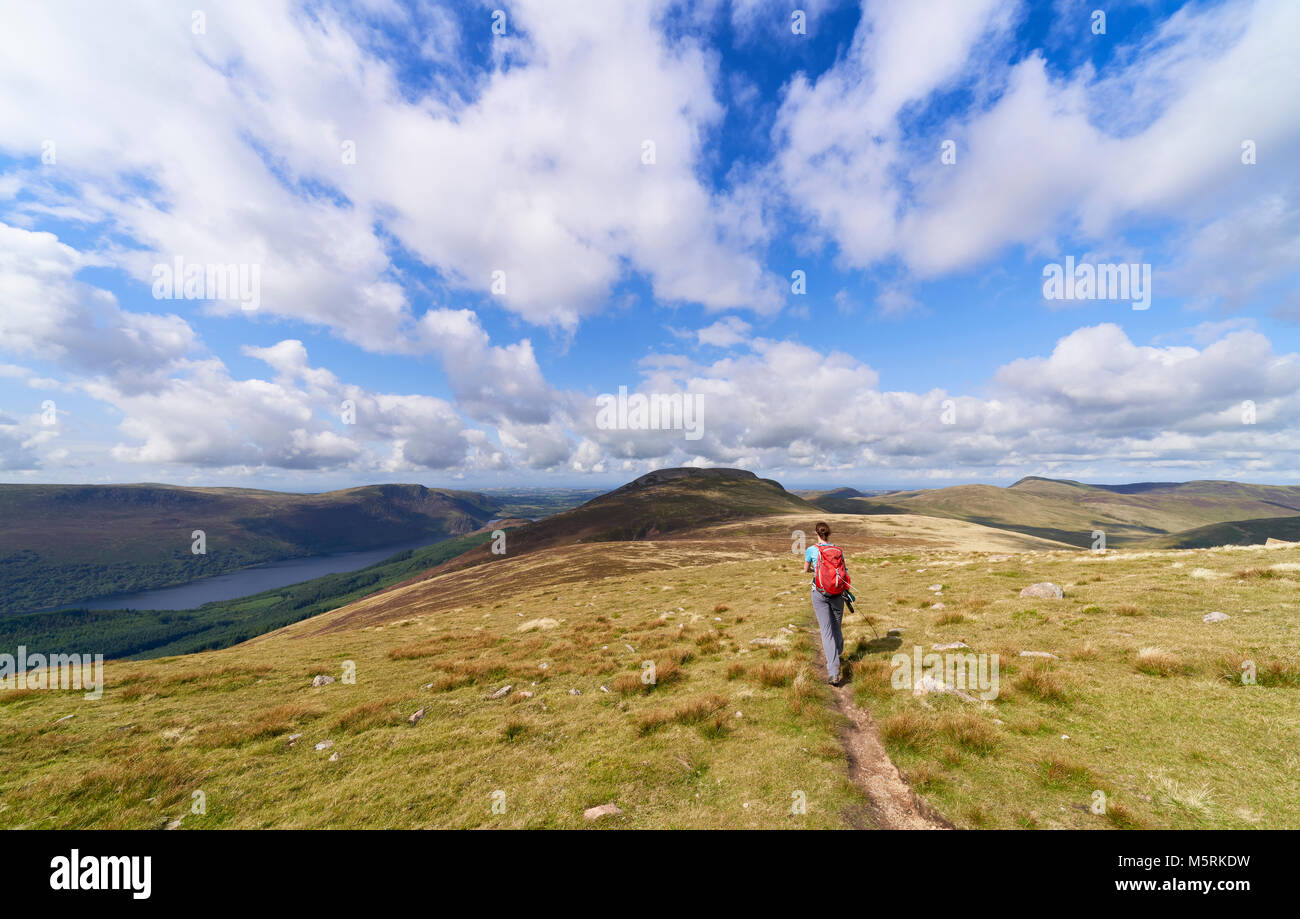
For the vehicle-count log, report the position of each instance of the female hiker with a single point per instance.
(830, 581)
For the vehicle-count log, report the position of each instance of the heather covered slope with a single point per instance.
(1071, 511)
(64, 543)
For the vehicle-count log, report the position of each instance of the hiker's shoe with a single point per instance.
(836, 680)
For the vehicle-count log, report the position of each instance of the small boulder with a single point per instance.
(293, 739)
(334, 757)
(1044, 590)
(604, 810)
(1215, 617)
(322, 680)
(950, 646)
(575, 692)
(501, 693)
(940, 605)
(415, 719)
(324, 745)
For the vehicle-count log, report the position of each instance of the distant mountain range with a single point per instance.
(1158, 514)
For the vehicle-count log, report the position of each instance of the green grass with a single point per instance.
(1176, 741)
(1150, 697)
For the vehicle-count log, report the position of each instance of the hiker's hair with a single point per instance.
(823, 531)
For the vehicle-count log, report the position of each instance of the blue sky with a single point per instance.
(923, 351)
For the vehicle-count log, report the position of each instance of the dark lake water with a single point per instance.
(246, 581)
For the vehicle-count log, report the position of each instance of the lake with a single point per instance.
(246, 581)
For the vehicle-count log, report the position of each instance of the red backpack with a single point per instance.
(830, 576)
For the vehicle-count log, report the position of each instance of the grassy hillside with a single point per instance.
(139, 634)
(1143, 701)
(1232, 533)
(65, 543)
(1071, 511)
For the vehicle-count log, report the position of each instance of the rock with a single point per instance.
(293, 739)
(1215, 617)
(324, 745)
(525, 694)
(501, 693)
(604, 689)
(415, 719)
(322, 680)
(575, 692)
(935, 587)
(1044, 590)
(175, 824)
(604, 810)
(928, 684)
(939, 605)
(1277, 542)
(950, 646)
(1045, 654)
(334, 757)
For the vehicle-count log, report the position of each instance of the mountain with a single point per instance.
(64, 543)
(654, 505)
(1070, 511)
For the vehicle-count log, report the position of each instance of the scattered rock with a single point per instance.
(324, 745)
(525, 694)
(501, 693)
(949, 646)
(935, 587)
(1046, 654)
(415, 719)
(604, 810)
(575, 692)
(1044, 590)
(939, 605)
(1215, 617)
(322, 680)
(604, 689)
(334, 757)
(293, 739)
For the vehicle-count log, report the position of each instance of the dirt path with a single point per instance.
(893, 805)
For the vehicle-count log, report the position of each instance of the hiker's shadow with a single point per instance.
(876, 645)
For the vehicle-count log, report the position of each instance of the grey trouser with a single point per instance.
(830, 613)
